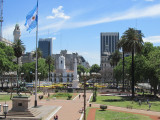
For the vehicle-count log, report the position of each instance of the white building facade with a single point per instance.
(62, 75)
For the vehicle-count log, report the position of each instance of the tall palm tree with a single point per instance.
(49, 61)
(121, 45)
(132, 42)
(18, 48)
(115, 57)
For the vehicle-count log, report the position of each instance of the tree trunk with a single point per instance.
(123, 72)
(49, 72)
(133, 73)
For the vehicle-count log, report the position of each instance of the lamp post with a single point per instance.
(39, 80)
(0, 107)
(85, 77)
(5, 109)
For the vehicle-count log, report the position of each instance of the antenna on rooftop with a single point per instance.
(1, 18)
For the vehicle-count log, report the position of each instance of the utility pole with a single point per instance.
(1, 18)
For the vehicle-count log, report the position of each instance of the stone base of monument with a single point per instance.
(20, 104)
(75, 84)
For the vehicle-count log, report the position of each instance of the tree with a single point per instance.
(18, 50)
(39, 53)
(95, 68)
(121, 45)
(49, 61)
(29, 68)
(115, 57)
(153, 69)
(133, 42)
(81, 69)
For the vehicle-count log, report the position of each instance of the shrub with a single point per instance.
(69, 97)
(103, 107)
(56, 91)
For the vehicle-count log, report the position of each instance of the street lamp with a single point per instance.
(0, 107)
(5, 109)
(85, 76)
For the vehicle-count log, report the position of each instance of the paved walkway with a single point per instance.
(69, 108)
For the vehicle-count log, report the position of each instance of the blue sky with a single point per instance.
(75, 25)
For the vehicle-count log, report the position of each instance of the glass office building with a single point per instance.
(46, 46)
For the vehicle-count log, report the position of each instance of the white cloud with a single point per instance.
(151, 11)
(53, 38)
(149, 0)
(152, 39)
(58, 13)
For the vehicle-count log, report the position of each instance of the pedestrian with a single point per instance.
(140, 102)
(56, 117)
(79, 96)
(149, 106)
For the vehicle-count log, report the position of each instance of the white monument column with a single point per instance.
(75, 78)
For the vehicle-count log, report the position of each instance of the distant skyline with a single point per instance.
(75, 25)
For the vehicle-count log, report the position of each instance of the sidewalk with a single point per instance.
(69, 108)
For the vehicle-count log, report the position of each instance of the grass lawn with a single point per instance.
(124, 101)
(4, 97)
(63, 96)
(113, 115)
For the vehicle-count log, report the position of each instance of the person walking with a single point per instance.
(79, 96)
(56, 117)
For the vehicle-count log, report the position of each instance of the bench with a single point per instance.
(129, 107)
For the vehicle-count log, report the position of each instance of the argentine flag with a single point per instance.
(32, 19)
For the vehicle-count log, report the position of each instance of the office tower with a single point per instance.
(108, 45)
(46, 46)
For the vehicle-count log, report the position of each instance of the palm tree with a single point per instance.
(115, 57)
(39, 53)
(132, 42)
(49, 61)
(18, 48)
(121, 45)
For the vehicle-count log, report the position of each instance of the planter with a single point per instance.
(103, 107)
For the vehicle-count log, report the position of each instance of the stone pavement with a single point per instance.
(69, 108)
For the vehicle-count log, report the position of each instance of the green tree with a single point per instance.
(81, 69)
(29, 68)
(50, 61)
(121, 45)
(132, 43)
(95, 68)
(115, 57)
(18, 50)
(153, 69)
(39, 53)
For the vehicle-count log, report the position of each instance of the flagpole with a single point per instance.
(35, 103)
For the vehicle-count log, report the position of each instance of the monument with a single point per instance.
(75, 82)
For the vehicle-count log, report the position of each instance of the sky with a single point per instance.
(75, 25)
